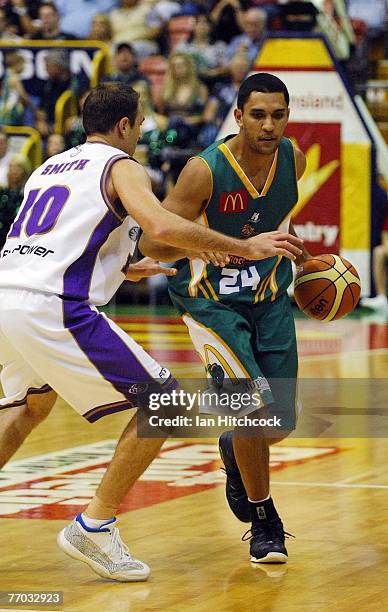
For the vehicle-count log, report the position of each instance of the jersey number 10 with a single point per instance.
(45, 211)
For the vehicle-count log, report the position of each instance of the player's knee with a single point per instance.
(266, 423)
(38, 407)
(166, 421)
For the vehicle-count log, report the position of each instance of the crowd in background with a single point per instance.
(201, 77)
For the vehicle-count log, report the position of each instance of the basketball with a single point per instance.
(327, 287)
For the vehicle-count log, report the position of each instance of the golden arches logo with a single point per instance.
(236, 201)
(314, 176)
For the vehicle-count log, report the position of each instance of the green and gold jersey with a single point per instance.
(237, 209)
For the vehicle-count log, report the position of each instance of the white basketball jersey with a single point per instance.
(69, 238)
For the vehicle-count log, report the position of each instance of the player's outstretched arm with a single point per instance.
(187, 199)
(145, 268)
(131, 184)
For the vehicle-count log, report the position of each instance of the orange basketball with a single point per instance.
(327, 287)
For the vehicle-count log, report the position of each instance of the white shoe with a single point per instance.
(380, 302)
(103, 550)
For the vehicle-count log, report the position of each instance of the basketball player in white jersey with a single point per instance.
(68, 250)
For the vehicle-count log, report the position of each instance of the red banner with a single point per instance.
(317, 218)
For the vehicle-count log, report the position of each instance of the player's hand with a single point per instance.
(217, 258)
(147, 267)
(272, 244)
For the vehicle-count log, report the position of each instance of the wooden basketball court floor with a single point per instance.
(332, 494)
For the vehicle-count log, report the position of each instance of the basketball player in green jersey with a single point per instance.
(239, 315)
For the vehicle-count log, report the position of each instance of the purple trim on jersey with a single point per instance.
(77, 278)
(115, 206)
(98, 412)
(106, 350)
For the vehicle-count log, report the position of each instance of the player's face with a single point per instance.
(262, 121)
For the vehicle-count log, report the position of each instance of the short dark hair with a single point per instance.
(126, 46)
(107, 104)
(264, 82)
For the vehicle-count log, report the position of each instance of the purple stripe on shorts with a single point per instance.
(107, 352)
(76, 280)
(94, 415)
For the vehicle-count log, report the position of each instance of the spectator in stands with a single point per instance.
(6, 32)
(152, 119)
(183, 101)
(5, 157)
(50, 28)
(55, 144)
(153, 133)
(74, 128)
(183, 97)
(77, 15)
(226, 16)
(13, 97)
(101, 29)
(59, 80)
(271, 7)
(157, 19)
(129, 24)
(222, 98)
(208, 54)
(20, 15)
(254, 24)
(11, 196)
(125, 66)
(333, 22)
(375, 14)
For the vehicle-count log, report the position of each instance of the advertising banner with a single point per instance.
(81, 57)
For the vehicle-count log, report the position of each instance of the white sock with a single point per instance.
(254, 501)
(94, 523)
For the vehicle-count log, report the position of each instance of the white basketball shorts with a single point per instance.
(47, 342)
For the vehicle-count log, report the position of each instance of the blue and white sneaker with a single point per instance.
(103, 550)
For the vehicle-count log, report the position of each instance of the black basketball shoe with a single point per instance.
(235, 491)
(266, 534)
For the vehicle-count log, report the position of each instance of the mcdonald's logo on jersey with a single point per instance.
(234, 201)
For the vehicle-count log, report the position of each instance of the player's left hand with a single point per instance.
(147, 267)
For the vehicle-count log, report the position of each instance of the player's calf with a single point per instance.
(17, 423)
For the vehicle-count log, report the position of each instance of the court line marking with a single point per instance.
(334, 485)
(357, 477)
(344, 354)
